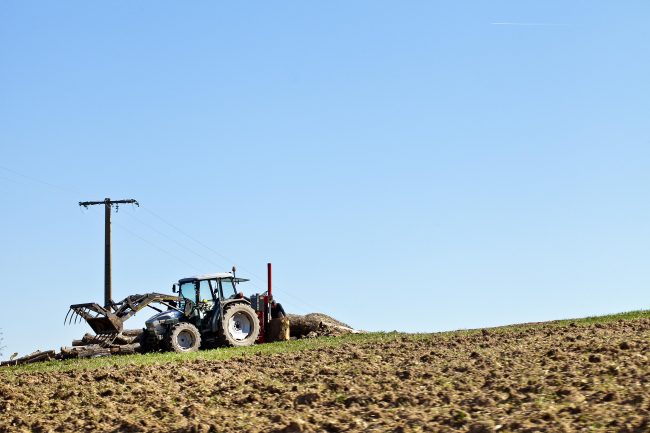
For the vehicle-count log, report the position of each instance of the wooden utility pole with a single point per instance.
(108, 204)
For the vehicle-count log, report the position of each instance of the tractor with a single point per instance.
(205, 311)
(210, 312)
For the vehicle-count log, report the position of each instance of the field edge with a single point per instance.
(291, 346)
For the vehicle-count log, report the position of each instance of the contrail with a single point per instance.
(506, 23)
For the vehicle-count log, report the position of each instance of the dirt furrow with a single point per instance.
(541, 378)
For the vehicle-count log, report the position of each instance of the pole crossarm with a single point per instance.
(108, 202)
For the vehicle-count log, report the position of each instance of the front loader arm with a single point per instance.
(104, 321)
(134, 303)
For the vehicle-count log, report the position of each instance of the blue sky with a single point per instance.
(417, 166)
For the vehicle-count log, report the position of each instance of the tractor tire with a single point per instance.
(183, 337)
(240, 326)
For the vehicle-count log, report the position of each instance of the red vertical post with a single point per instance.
(266, 314)
(270, 288)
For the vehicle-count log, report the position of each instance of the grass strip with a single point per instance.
(225, 353)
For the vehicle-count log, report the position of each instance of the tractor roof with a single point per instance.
(216, 275)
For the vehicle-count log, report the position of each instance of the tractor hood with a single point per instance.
(162, 318)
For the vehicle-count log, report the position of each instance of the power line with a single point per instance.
(254, 276)
(174, 240)
(257, 278)
(156, 246)
(11, 180)
(187, 235)
(33, 179)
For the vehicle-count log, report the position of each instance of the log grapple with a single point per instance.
(110, 320)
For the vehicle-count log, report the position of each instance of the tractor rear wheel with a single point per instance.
(240, 326)
(183, 337)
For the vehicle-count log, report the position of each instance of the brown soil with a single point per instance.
(542, 378)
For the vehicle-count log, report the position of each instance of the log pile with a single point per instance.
(317, 325)
(37, 356)
(126, 342)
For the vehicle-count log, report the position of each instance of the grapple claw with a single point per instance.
(100, 319)
(109, 321)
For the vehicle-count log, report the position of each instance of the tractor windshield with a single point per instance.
(228, 288)
(205, 291)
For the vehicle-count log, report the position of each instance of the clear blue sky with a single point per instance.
(417, 166)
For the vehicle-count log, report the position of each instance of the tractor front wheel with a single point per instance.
(240, 326)
(183, 337)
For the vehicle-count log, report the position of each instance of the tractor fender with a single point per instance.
(227, 302)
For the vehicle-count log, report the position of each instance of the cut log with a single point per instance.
(125, 349)
(43, 356)
(279, 329)
(125, 339)
(93, 351)
(317, 324)
(68, 353)
(132, 332)
(88, 351)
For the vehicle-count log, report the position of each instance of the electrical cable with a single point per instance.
(11, 180)
(154, 245)
(212, 262)
(284, 292)
(256, 277)
(33, 179)
(248, 271)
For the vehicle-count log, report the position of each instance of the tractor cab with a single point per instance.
(208, 291)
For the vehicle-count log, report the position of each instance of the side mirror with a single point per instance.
(174, 288)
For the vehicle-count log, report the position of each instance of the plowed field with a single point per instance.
(550, 377)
